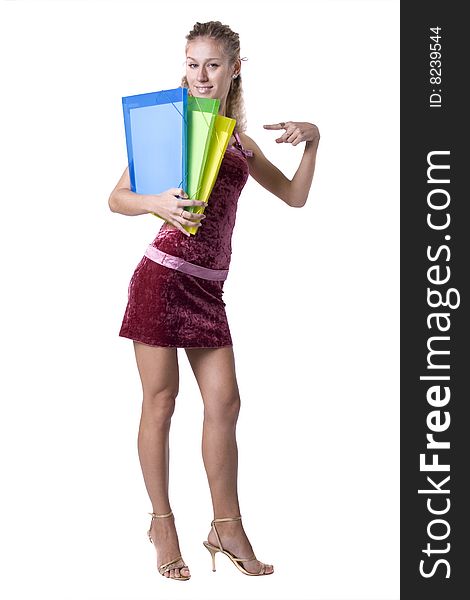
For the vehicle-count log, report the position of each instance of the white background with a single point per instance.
(312, 300)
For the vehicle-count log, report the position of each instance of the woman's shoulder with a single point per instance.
(247, 142)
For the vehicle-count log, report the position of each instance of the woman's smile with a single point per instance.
(203, 89)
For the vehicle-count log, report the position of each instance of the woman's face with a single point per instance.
(207, 69)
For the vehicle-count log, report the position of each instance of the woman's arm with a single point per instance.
(293, 192)
(126, 202)
(168, 205)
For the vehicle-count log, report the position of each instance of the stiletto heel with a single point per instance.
(213, 550)
(162, 569)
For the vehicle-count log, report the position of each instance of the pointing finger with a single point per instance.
(275, 126)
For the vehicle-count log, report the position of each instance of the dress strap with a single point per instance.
(240, 146)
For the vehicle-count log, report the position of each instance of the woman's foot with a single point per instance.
(165, 540)
(234, 539)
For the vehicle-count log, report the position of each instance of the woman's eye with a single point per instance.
(191, 65)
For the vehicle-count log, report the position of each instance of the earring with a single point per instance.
(235, 76)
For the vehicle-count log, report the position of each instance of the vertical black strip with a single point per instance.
(437, 124)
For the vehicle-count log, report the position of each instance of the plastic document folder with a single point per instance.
(221, 134)
(201, 118)
(156, 139)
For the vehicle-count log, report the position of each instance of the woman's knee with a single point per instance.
(159, 405)
(223, 407)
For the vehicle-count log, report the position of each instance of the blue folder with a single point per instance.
(156, 139)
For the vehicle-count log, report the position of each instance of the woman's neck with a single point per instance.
(222, 107)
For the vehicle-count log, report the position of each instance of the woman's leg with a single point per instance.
(214, 369)
(158, 369)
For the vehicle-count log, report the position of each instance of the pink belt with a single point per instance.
(174, 262)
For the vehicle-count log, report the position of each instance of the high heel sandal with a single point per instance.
(213, 550)
(168, 566)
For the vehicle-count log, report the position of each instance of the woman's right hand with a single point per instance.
(169, 206)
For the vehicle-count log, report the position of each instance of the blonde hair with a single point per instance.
(235, 107)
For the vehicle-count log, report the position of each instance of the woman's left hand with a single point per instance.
(296, 132)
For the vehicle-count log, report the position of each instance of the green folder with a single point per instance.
(201, 119)
(221, 134)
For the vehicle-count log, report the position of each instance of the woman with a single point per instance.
(179, 304)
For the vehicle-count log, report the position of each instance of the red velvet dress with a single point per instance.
(167, 307)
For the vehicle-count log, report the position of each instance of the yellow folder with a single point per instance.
(221, 134)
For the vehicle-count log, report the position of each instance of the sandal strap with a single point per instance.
(155, 516)
(263, 565)
(167, 566)
(244, 559)
(227, 519)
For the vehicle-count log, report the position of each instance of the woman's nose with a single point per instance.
(202, 74)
